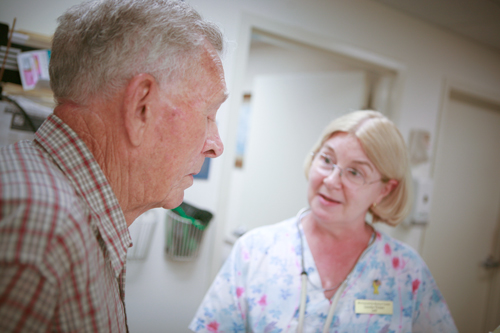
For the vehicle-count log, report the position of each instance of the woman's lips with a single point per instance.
(328, 200)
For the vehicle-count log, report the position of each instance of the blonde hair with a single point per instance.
(384, 146)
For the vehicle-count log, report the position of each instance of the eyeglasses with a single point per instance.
(324, 164)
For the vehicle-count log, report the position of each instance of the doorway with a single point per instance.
(287, 58)
(465, 211)
(291, 92)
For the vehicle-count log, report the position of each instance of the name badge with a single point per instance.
(366, 306)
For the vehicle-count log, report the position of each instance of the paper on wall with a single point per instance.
(33, 68)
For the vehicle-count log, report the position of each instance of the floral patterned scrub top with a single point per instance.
(258, 288)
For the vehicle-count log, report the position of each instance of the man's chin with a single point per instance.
(174, 201)
(176, 195)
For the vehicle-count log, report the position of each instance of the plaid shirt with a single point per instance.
(63, 238)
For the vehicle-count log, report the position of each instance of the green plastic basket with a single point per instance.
(184, 231)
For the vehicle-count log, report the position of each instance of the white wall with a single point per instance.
(265, 59)
(168, 291)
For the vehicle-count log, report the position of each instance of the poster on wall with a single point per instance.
(203, 174)
(33, 68)
(244, 119)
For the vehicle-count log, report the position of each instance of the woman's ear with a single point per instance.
(137, 106)
(387, 189)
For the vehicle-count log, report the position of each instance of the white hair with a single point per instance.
(99, 45)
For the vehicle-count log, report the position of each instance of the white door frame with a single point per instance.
(474, 90)
(249, 22)
(488, 96)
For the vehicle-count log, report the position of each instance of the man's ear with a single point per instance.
(137, 112)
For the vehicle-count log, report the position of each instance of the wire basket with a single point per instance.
(141, 232)
(184, 233)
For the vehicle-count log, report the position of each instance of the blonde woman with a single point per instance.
(327, 269)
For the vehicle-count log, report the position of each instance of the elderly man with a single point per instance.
(138, 84)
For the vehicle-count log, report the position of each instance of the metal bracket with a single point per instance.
(490, 263)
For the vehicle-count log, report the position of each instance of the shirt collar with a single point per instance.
(82, 170)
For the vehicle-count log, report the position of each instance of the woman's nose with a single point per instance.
(334, 178)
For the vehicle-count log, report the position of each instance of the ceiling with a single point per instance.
(475, 19)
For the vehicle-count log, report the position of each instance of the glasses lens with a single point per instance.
(325, 165)
(354, 176)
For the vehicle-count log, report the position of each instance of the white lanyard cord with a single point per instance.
(303, 276)
(302, 307)
(303, 291)
(335, 300)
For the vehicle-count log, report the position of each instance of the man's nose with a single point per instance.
(213, 145)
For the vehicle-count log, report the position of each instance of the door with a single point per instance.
(465, 209)
(288, 114)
